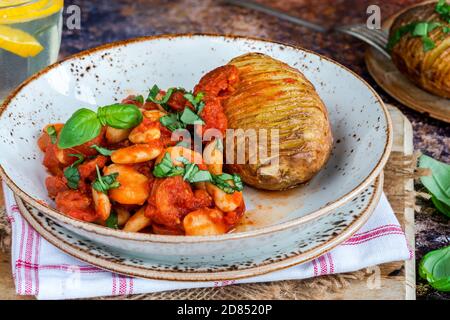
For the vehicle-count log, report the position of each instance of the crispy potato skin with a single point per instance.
(272, 95)
(429, 70)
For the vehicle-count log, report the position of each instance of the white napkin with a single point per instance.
(42, 270)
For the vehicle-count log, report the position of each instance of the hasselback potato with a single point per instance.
(273, 95)
(420, 47)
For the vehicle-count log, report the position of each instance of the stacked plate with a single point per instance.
(281, 229)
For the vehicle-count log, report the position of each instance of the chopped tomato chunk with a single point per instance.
(87, 169)
(76, 204)
(178, 102)
(55, 185)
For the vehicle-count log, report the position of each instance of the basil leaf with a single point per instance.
(428, 44)
(80, 159)
(102, 151)
(438, 184)
(196, 101)
(163, 168)
(172, 122)
(440, 206)
(166, 168)
(183, 160)
(238, 185)
(200, 107)
(72, 174)
(192, 173)
(222, 182)
(105, 183)
(225, 177)
(164, 100)
(446, 29)
(201, 176)
(120, 116)
(139, 99)
(81, 127)
(189, 171)
(51, 131)
(176, 171)
(153, 93)
(189, 117)
(112, 221)
(435, 268)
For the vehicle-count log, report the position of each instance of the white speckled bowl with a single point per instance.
(230, 258)
(360, 123)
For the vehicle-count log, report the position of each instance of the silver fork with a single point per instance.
(378, 39)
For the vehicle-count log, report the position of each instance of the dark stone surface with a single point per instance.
(111, 20)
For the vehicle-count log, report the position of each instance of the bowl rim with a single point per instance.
(187, 276)
(90, 227)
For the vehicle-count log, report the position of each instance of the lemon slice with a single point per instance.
(10, 3)
(30, 11)
(19, 42)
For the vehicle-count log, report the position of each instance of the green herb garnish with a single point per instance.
(176, 121)
(435, 268)
(416, 29)
(51, 131)
(192, 173)
(196, 101)
(105, 183)
(120, 116)
(102, 151)
(139, 98)
(438, 184)
(84, 125)
(221, 181)
(81, 127)
(154, 91)
(443, 8)
(189, 117)
(112, 221)
(172, 122)
(423, 29)
(72, 174)
(428, 44)
(166, 168)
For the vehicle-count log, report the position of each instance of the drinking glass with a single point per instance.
(30, 38)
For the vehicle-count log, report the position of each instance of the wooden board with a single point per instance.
(398, 279)
(388, 281)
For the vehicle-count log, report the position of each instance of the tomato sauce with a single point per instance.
(165, 202)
